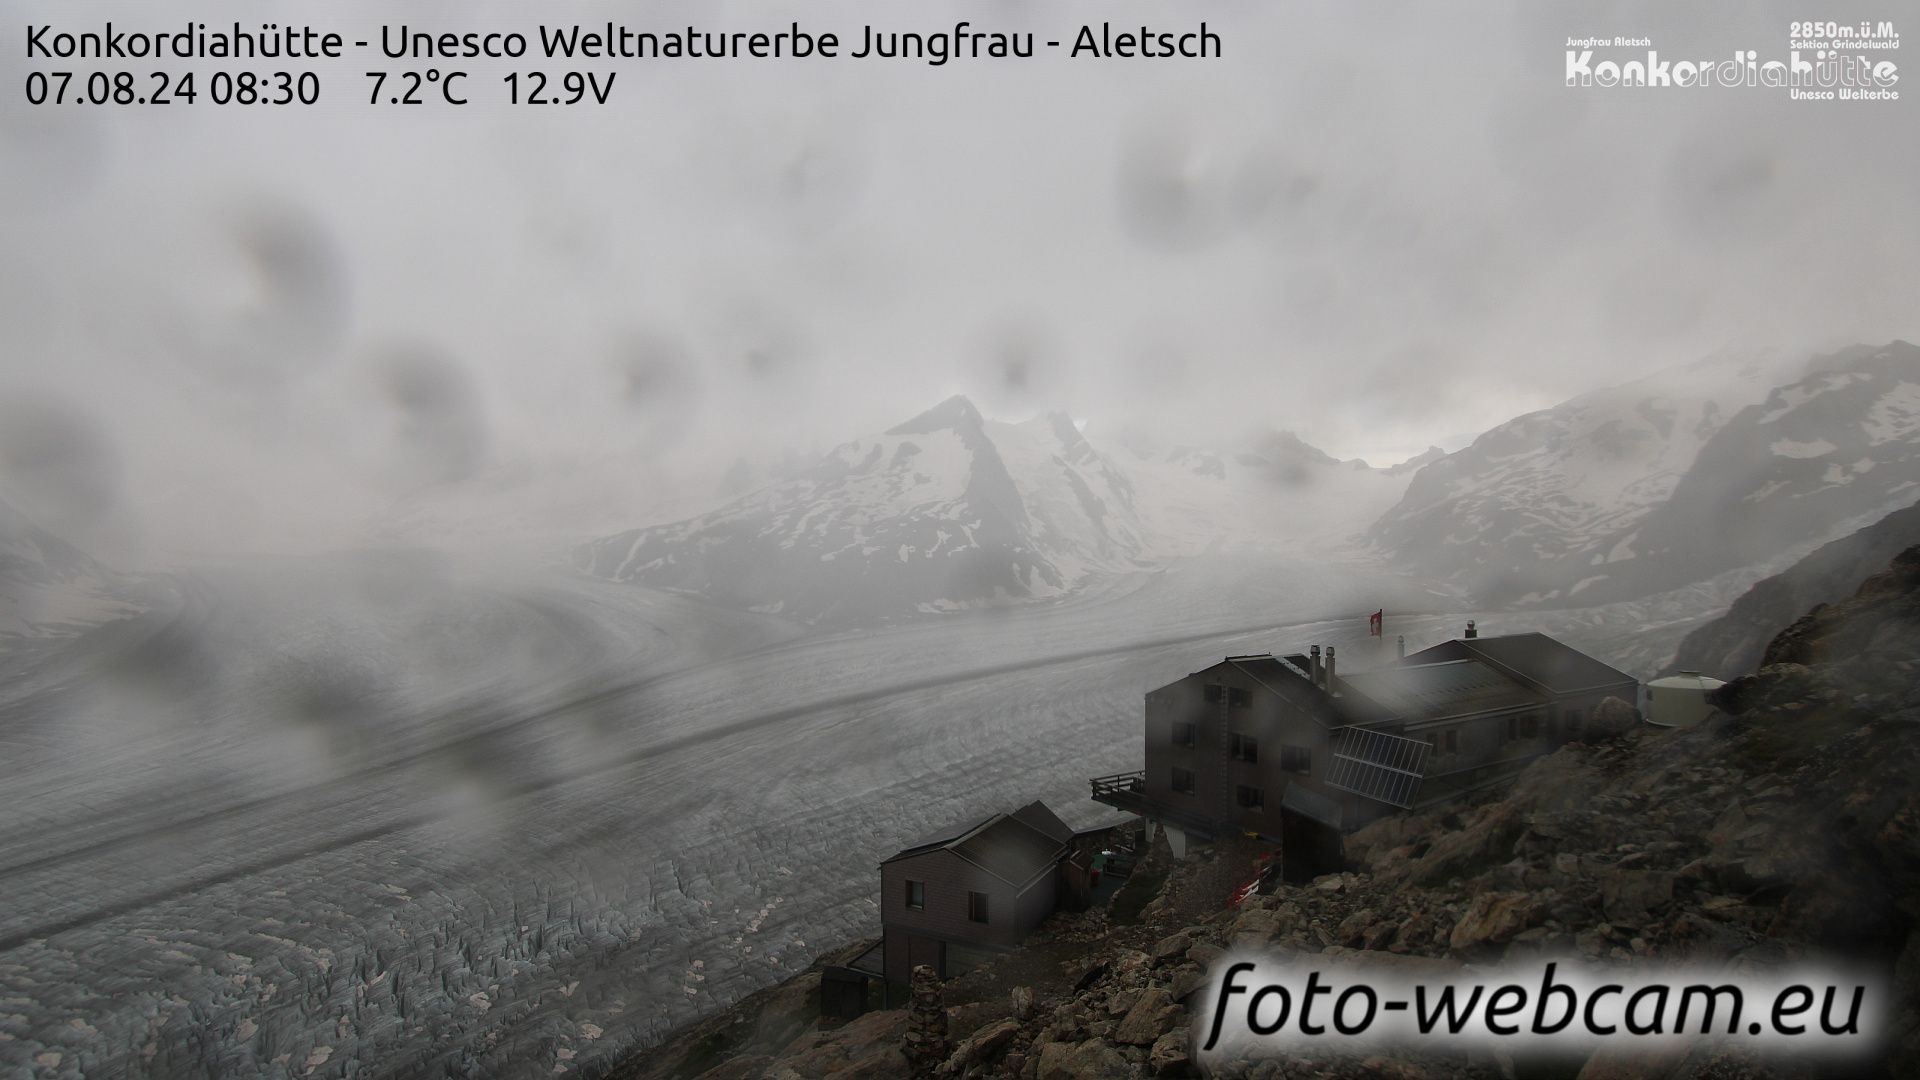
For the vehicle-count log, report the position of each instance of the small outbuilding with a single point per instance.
(972, 889)
(1680, 701)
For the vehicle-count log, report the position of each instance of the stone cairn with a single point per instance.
(926, 1038)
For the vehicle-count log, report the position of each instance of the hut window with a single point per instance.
(1182, 780)
(917, 895)
(1252, 798)
(1298, 759)
(1238, 698)
(1183, 734)
(1245, 748)
(977, 906)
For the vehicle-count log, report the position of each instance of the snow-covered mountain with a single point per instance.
(1821, 456)
(943, 512)
(1274, 493)
(1613, 495)
(48, 586)
(1667, 480)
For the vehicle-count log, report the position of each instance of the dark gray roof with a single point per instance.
(1287, 677)
(1448, 688)
(946, 834)
(1278, 675)
(1536, 658)
(1010, 850)
(1038, 817)
(1014, 847)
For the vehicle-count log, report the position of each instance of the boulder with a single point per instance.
(1171, 1054)
(1610, 719)
(1494, 918)
(1205, 954)
(1629, 896)
(980, 1048)
(1185, 980)
(1172, 947)
(1152, 1016)
(1255, 926)
(1352, 930)
(1090, 1060)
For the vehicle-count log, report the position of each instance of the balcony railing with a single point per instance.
(1130, 782)
(1128, 792)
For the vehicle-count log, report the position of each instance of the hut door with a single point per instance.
(1308, 848)
(928, 951)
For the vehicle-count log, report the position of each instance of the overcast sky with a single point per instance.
(1383, 225)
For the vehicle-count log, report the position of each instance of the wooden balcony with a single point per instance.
(1135, 782)
(1128, 792)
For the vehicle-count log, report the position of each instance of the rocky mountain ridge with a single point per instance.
(1667, 480)
(926, 517)
(50, 587)
(1734, 643)
(1719, 466)
(951, 511)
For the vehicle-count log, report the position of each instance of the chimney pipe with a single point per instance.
(1313, 665)
(1471, 632)
(1400, 646)
(1329, 669)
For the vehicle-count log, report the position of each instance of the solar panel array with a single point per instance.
(1380, 766)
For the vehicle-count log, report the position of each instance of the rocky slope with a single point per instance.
(1733, 644)
(1786, 829)
(1528, 500)
(50, 587)
(1842, 444)
(1669, 480)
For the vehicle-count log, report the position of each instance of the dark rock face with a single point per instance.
(1835, 445)
(1734, 644)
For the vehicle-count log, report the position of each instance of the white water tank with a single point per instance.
(1680, 701)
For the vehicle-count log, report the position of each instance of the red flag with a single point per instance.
(1373, 622)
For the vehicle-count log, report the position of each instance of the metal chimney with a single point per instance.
(1313, 665)
(1329, 669)
(1400, 646)
(1471, 632)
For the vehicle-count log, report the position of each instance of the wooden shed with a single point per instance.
(971, 889)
